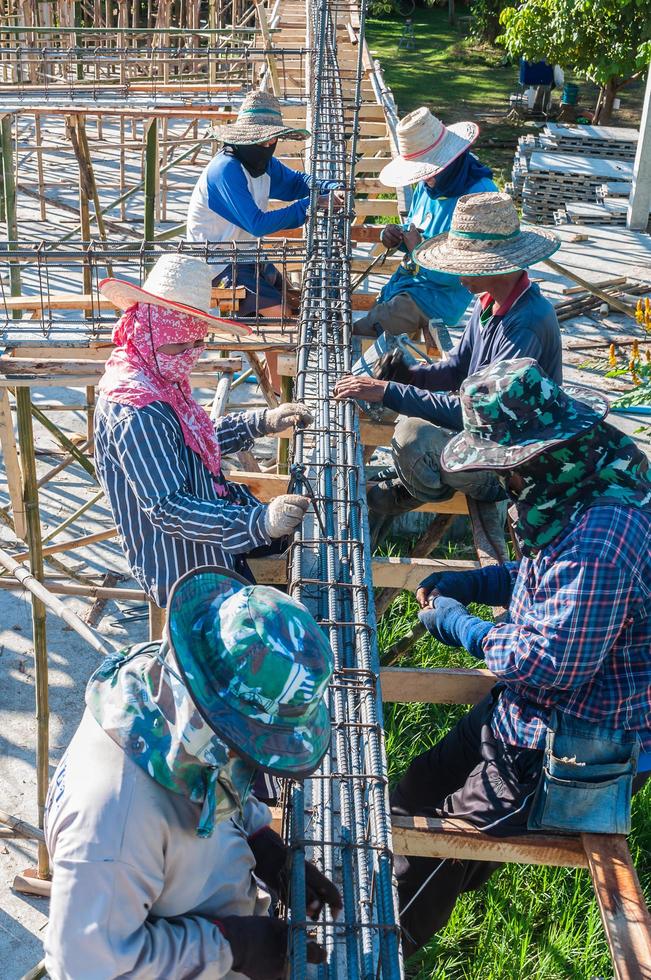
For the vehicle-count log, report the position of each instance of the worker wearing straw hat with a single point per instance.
(438, 161)
(230, 199)
(555, 745)
(158, 453)
(490, 252)
(154, 835)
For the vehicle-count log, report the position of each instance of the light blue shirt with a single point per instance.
(438, 294)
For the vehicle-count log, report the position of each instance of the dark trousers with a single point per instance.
(469, 775)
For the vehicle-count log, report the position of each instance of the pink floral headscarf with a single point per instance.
(137, 373)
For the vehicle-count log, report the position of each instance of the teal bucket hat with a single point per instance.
(256, 665)
(513, 411)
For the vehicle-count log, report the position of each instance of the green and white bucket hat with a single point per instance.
(512, 412)
(259, 120)
(256, 665)
(485, 239)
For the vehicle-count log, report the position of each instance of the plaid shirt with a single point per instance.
(579, 635)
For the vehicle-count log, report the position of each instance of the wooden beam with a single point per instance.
(12, 466)
(456, 839)
(403, 573)
(625, 916)
(408, 685)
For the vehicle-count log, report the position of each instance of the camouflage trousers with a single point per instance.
(417, 446)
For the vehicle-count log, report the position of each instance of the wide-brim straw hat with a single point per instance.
(173, 280)
(426, 147)
(485, 239)
(512, 412)
(256, 665)
(259, 120)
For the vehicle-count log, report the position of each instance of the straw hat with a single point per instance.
(426, 147)
(174, 279)
(259, 120)
(485, 239)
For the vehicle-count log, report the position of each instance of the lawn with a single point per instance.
(536, 923)
(460, 79)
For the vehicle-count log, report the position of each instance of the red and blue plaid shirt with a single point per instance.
(579, 631)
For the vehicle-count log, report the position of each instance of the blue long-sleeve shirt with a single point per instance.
(162, 496)
(529, 328)
(578, 636)
(438, 294)
(228, 204)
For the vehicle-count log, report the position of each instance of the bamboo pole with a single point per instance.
(73, 517)
(62, 439)
(39, 165)
(612, 301)
(150, 176)
(9, 182)
(43, 596)
(28, 467)
(21, 828)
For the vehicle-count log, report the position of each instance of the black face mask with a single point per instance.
(254, 158)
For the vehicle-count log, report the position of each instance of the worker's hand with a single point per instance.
(412, 237)
(272, 865)
(360, 386)
(288, 415)
(260, 945)
(391, 367)
(425, 597)
(392, 236)
(285, 513)
(338, 201)
(455, 585)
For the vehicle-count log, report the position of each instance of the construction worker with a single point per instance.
(158, 847)
(157, 452)
(490, 252)
(554, 746)
(437, 160)
(229, 201)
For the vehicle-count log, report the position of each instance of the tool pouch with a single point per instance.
(586, 780)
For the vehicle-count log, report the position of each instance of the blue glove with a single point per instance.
(491, 585)
(450, 622)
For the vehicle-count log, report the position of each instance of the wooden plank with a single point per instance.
(84, 301)
(435, 685)
(17, 367)
(427, 837)
(12, 466)
(404, 573)
(624, 913)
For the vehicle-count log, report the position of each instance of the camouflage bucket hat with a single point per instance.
(256, 665)
(512, 412)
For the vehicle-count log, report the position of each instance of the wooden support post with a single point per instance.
(28, 467)
(9, 184)
(156, 621)
(39, 164)
(283, 443)
(267, 39)
(150, 177)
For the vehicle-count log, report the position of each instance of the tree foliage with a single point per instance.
(606, 41)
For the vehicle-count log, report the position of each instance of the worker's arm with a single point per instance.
(490, 586)
(290, 185)
(229, 197)
(238, 430)
(149, 449)
(439, 407)
(447, 374)
(100, 927)
(578, 610)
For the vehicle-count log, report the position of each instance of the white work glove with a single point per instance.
(289, 414)
(284, 513)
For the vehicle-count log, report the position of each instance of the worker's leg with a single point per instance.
(471, 776)
(400, 314)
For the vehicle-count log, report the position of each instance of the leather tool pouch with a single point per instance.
(586, 780)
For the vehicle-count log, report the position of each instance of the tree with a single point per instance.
(606, 41)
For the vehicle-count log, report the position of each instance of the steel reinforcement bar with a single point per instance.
(341, 815)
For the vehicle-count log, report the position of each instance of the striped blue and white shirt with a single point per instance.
(168, 513)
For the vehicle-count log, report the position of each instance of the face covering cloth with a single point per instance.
(603, 467)
(138, 373)
(462, 174)
(141, 702)
(255, 159)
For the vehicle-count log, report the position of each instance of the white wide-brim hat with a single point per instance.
(485, 239)
(174, 279)
(259, 120)
(426, 147)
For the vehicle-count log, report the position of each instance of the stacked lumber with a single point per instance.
(581, 301)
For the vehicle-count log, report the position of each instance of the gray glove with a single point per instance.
(284, 513)
(287, 416)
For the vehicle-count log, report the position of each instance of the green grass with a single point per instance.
(460, 79)
(537, 923)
